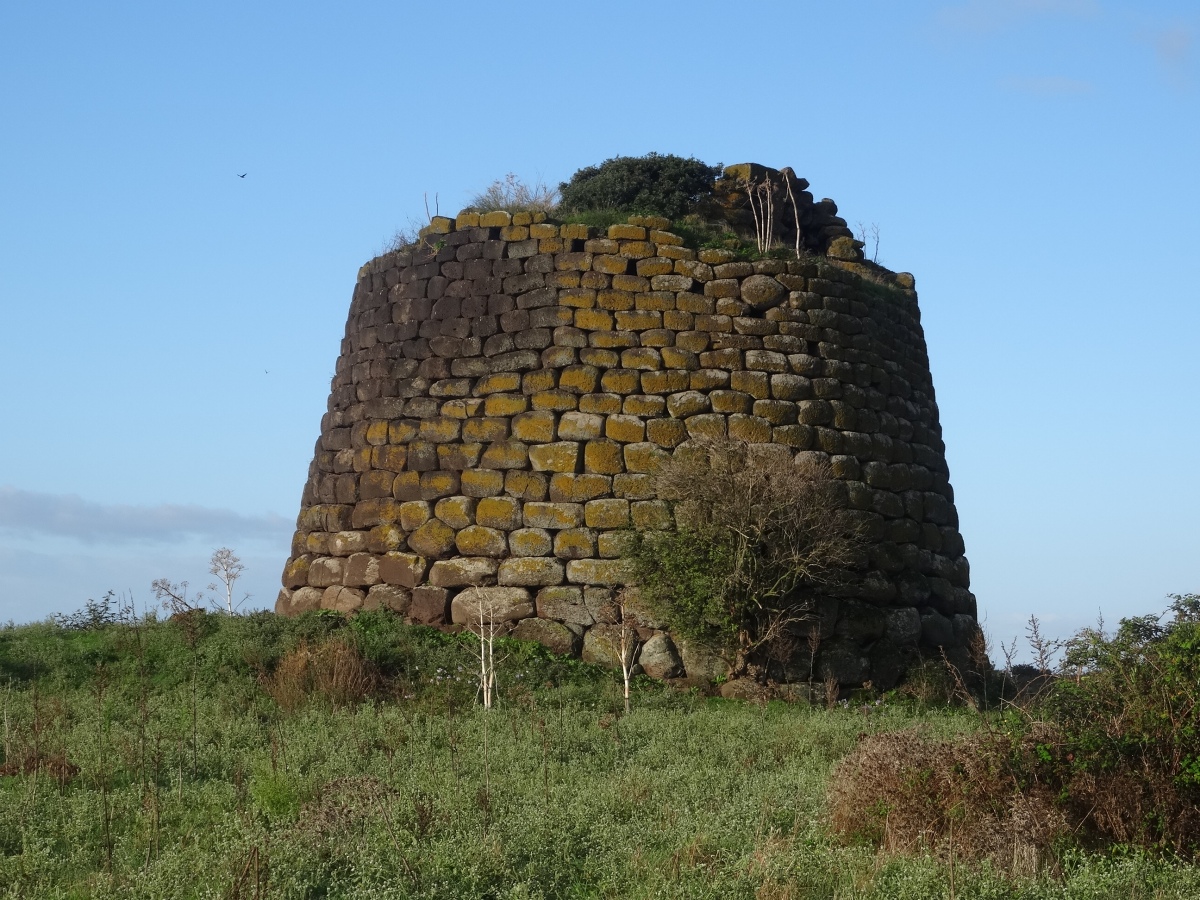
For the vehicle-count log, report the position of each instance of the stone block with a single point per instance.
(388, 596)
(798, 437)
(626, 232)
(457, 512)
(404, 569)
(654, 266)
(688, 403)
(510, 454)
(497, 219)
(642, 359)
(304, 599)
(575, 543)
(430, 605)
(561, 456)
(659, 658)
(325, 571)
(597, 571)
(606, 513)
(343, 543)
(434, 539)
(708, 379)
(503, 513)
(438, 484)
(625, 429)
(634, 486)
(530, 542)
(481, 482)
(621, 381)
(580, 426)
(375, 484)
(497, 383)
(637, 249)
(579, 379)
(613, 544)
(380, 511)
(530, 571)
(731, 401)
(295, 573)
(457, 457)
(644, 457)
(342, 599)
(602, 646)
(526, 485)
(463, 571)
(611, 264)
(576, 488)
(503, 405)
(752, 429)
(644, 405)
(552, 515)
(361, 570)
(710, 425)
(777, 412)
(535, 427)
(479, 540)
(666, 432)
(603, 457)
(564, 604)
(604, 404)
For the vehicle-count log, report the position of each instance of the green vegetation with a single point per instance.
(654, 184)
(754, 528)
(257, 756)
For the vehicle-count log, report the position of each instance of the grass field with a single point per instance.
(198, 758)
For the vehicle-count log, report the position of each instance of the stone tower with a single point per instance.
(506, 389)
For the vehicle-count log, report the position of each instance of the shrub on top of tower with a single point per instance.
(654, 184)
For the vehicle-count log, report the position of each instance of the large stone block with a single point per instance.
(553, 515)
(560, 456)
(434, 539)
(478, 540)
(430, 605)
(530, 571)
(598, 571)
(404, 569)
(463, 571)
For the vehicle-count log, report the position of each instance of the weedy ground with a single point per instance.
(255, 756)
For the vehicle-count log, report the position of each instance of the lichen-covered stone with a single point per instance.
(553, 515)
(434, 539)
(404, 569)
(463, 570)
(478, 540)
(531, 571)
(502, 513)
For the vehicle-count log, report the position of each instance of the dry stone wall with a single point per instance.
(505, 392)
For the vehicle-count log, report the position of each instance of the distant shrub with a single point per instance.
(654, 184)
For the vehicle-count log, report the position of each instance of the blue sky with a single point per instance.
(172, 328)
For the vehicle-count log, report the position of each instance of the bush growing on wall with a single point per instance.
(654, 184)
(752, 527)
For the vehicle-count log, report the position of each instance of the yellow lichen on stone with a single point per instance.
(497, 219)
(627, 232)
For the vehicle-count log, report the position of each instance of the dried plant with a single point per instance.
(511, 194)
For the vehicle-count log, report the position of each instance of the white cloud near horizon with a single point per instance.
(993, 15)
(68, 515)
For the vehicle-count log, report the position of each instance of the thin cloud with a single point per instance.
(69, 515)
(1050, 85)
(994, 15)
(1173, 49)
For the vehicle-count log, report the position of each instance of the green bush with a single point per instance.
(654, 184)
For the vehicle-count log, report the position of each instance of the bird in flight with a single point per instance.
(243, 175)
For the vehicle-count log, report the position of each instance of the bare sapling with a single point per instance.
(489, 628)
(228, 568)
(795, 212)
(628, 647)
